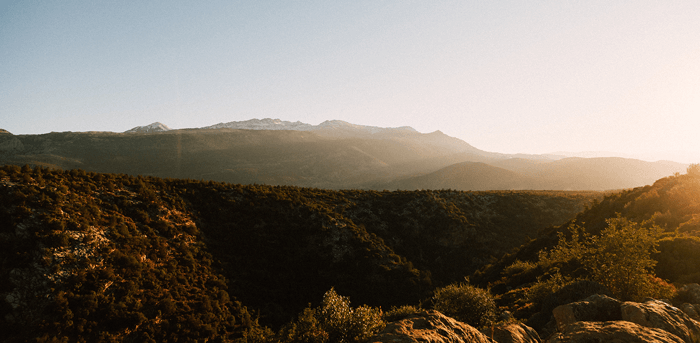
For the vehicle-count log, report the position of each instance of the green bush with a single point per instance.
(518, 267)
(542, 288)
(466, 303)
(620, 258)
(333, 321)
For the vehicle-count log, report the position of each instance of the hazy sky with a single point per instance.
(505, 76)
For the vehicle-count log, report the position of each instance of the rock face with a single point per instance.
(657, 314)
(596, 308)
(600, 318)
(692, 310)
(433, 326)
(613, 331)
(429, 326)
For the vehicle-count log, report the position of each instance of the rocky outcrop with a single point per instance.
(433, 326)
(692, 310)
(596, 308)
(600, 318)
(657, 314)
(429, 326)
(613, 331)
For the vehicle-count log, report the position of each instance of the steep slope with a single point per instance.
(100, 256)
(672, 203)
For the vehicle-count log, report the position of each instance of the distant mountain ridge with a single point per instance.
(333, 155)
(278, 124)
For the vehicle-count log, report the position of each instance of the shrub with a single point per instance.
(466, 303)
(518, 267)
(541, 289)
(659, 289)
(620, 258)
(333, 321)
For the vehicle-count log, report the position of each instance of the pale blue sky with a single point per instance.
(505, 76)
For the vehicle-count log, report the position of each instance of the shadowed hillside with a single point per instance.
(103, 256)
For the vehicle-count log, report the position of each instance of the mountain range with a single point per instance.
(334, 154)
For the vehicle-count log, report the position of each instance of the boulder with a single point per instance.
(429, 326)
(612, 331)
(692, 310)
(596, 308)
(690, 293)
(576, 291)
(512, 333)
(657, 314)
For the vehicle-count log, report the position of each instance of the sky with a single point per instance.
(505, 76)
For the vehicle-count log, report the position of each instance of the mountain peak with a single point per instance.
(278, 124)
(153, 127)
(262, 124)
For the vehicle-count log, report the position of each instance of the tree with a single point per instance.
(620, 258)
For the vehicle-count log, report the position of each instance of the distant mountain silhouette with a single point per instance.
(334, 154)
(520, 174)
(465, 176)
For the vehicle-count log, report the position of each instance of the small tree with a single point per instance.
(694, 170)
(620, 258)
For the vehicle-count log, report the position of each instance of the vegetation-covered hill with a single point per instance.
(323, 159)
(100, 257)
(604, 173)
(661, 220)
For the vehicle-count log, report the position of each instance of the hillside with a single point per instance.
(467, 176)
(518, 174)
(111, 256)
(297, 158)
(671, 204)
(333, 156)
